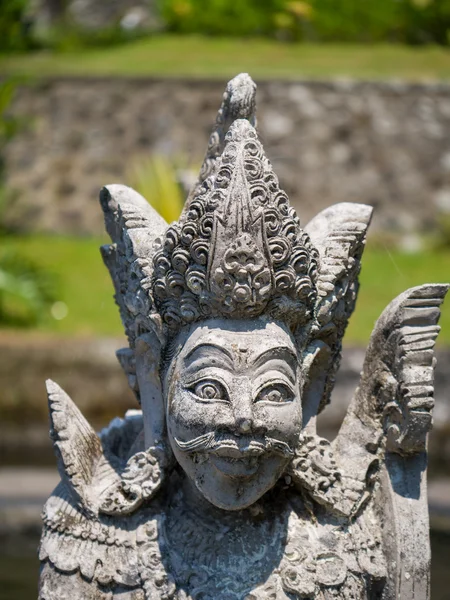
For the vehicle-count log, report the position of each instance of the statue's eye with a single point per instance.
(209, 389)
(276, 392)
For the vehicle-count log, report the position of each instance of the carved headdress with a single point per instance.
(237, 251)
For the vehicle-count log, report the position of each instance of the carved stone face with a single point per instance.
(233, 408)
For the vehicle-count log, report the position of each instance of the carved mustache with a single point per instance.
(211, 443)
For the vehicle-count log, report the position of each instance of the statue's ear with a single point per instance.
(315, 368)
(147, 352)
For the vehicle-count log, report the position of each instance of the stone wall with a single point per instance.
(86, 368)
(385, 144)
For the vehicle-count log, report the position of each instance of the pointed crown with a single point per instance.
(238, 250)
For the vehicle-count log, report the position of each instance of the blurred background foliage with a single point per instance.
(21, 30)
(27, 289)
(15, 33)
(404, 21)
(368, 21)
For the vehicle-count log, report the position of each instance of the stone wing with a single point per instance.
(77, 446)
(110, 473)
(395, 395)
(134, 227)
(102, 477)
(384, 435)
(339, 234)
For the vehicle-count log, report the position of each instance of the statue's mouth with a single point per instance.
(235, 449)
(230, 464)
(232, 456)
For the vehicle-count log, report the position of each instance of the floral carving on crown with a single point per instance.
(243, 276)
(238, 250)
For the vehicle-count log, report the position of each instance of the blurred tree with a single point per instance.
(427, 21)
(353, 21)
(221, 17)
(410, 21)
(15, 27)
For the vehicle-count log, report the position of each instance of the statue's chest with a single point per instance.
(277, 557)
(221, 559)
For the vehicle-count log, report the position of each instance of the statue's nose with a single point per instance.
(244, 425)
(243, 408)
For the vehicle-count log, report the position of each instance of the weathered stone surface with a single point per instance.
(221, 486)
(384, 144)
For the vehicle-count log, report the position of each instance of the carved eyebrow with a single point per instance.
(281, 352)
(211, 349)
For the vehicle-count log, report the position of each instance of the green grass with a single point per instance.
(384, 275)
(84, 283)
(194, 56)
(86, 288)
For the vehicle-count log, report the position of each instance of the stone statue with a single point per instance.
(221, 487)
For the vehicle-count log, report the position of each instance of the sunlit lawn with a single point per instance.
(384, 275)
(195, 56)
(86, 289)
(84, 283)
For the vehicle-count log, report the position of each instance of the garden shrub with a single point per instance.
(403, 21)
(15, 27)
(407, 21)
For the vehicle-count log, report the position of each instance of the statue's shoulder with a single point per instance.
(110, 473)
(103, 549)
(100, 556)
(94, 547)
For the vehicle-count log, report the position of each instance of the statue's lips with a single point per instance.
(234, 463)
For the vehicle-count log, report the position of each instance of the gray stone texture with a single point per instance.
(384, 144)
